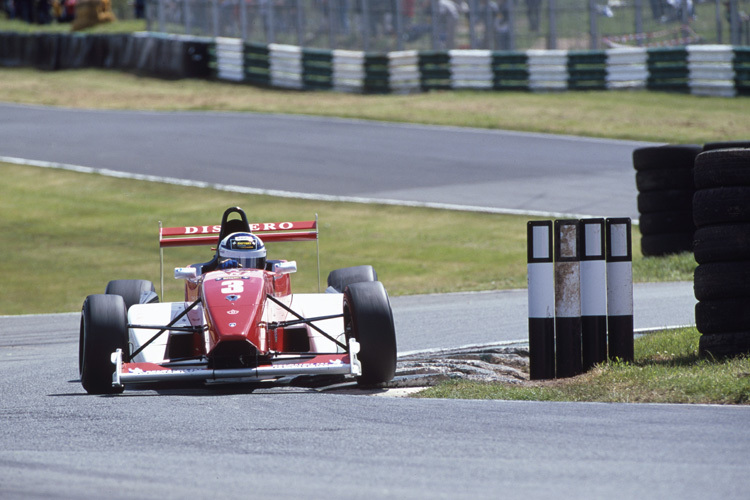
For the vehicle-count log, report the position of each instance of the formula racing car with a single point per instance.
(239, 320)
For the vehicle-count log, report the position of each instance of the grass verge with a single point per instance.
(65, 234)
(667, 370)
(637, 115)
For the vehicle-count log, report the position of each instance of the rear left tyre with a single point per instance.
(132, 291)
(339, 279)
(104, 329)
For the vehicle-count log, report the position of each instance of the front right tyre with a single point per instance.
(104, 329)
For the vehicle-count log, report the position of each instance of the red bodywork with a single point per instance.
(235, 305)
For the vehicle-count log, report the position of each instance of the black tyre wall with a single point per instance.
(669, 156)
(666, 201)
(667, 222)
(721, 205)
(664, 179)
(666, 244)
(722, 168)
(722, 243)
(722, 280)
(723, 316)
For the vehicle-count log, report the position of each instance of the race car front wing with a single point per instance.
(314, 364)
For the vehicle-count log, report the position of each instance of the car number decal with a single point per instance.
(234, 286)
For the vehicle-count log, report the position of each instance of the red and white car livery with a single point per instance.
(237, 325)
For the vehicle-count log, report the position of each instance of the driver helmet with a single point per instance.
(246, 249)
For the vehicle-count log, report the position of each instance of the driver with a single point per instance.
(242, 250)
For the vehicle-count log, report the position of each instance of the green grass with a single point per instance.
(641, 115)
(65, 234)
(667, 369)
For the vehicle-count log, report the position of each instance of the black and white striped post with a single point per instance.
(620, 289)
(593, 293)
(541, 289)
(567, 299)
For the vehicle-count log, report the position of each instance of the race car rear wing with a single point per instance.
(209, 235)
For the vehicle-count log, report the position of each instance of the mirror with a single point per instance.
(280, 268)
(185, 273)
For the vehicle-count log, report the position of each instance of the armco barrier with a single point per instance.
(710, 70)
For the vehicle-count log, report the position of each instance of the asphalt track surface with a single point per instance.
(340, 158)
(57, 442)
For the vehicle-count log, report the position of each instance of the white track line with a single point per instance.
(286, 194)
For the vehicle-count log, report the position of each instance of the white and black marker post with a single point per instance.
(567, 299)
(541, 282)
(620, 289)
(593, 293)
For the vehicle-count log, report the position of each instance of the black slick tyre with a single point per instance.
(339, 279)
(369, 320)
(104, 329)
(130, 290)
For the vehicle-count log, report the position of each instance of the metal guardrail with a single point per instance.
(392, 25)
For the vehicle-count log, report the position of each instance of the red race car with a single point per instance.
(240, 321)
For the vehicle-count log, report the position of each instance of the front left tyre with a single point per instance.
(369, 320)
(104, 329)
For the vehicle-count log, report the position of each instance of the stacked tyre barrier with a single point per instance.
(711, 70)
(435, 70)
(257, 64)
(510, 71)
(548, 69)
(664, 178)
(317, 69)
(230, 59)
(348, 71)
(403, 71)
(626, 68)
(587, 70)
(668, 69)
(741, 65)
(721, 209)
(377, 74)
(143, 54)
